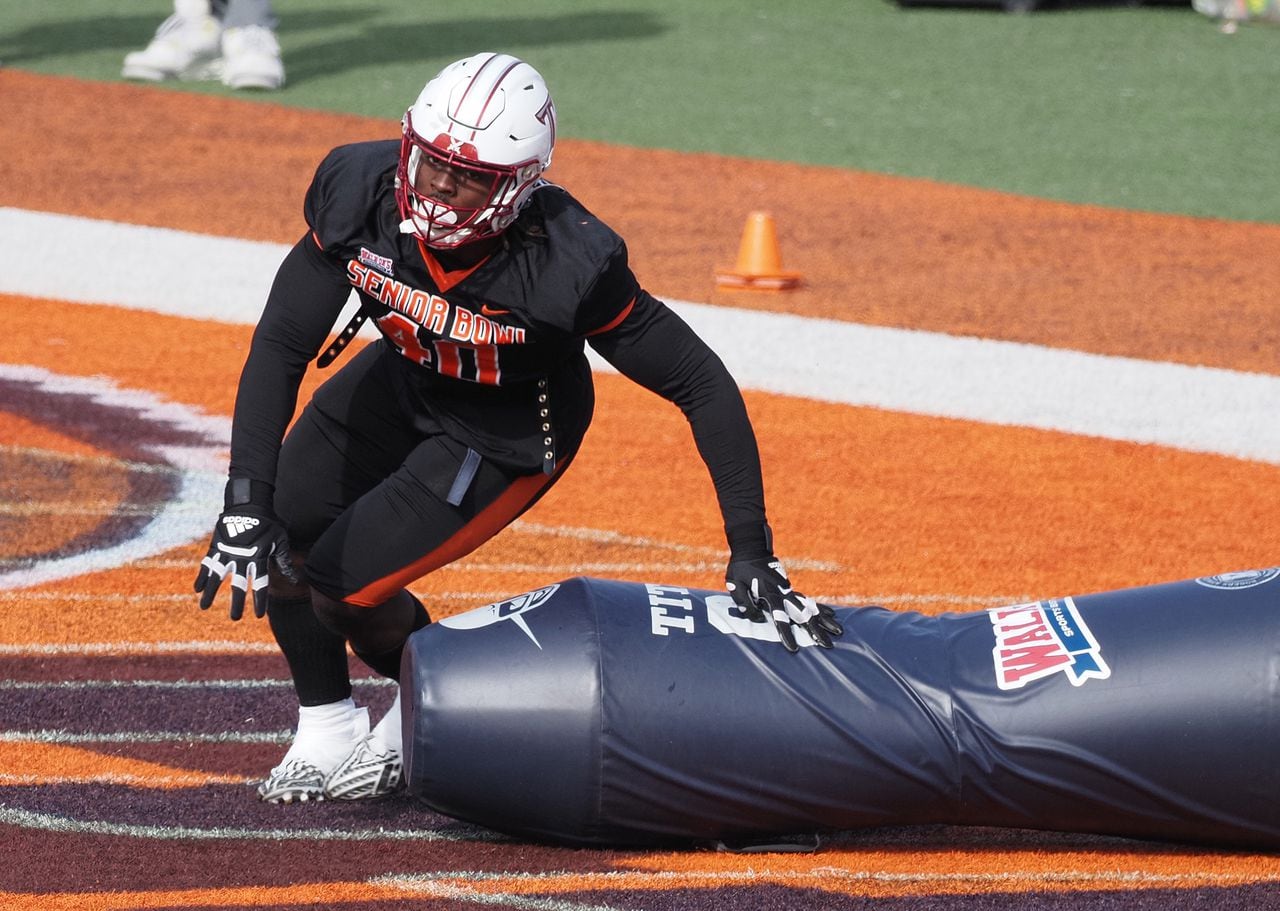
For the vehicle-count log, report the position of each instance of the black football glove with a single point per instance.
(246, 540)
(760, 587)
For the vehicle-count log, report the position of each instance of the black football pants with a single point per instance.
(367, 496)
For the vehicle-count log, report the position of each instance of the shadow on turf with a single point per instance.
(373, 43)
(367, 38)
(1035, 6)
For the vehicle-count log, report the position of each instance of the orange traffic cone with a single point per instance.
(759, 263)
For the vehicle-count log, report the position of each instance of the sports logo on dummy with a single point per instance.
(1246, 579)
(672, 608)
(512, 609)
(1042, 638)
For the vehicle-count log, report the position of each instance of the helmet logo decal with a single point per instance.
(547, 117)
(455, 146)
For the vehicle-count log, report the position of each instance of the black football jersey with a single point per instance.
(562, 275)
(493, 353)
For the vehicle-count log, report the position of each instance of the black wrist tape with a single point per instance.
(245, 492)
(750, 540)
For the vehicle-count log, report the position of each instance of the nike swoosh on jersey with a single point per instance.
(492, 311)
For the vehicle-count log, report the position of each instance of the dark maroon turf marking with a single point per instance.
(155, 667)
(772, 897)
(205, 710)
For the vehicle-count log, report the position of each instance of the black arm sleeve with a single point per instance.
(306, 298)
(658, 350)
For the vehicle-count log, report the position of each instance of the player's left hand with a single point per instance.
(761, 588)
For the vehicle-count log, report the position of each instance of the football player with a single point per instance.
(485, 282)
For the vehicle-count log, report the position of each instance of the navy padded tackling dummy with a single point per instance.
(616, 713)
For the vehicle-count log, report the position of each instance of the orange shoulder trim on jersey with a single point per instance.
(444, 279)
(316, 238)
(613, 323)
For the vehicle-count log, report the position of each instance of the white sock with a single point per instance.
(327, 733)
(388, 732)
(319, 718)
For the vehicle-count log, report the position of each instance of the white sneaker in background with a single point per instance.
(251, 58)
(184, 47)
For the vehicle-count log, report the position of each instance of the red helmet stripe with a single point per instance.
(494, 87)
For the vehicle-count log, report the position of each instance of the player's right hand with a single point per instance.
(246, 540)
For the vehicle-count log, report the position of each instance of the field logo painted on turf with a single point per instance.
(137, 476)
(1042, 638)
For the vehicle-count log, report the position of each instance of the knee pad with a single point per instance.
(341, 617)
(375, 629)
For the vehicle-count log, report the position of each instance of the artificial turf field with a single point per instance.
(133, 722)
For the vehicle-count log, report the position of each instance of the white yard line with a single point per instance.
(1199, 409)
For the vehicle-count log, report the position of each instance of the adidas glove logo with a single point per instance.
(238, 524)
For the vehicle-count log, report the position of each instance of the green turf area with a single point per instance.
(1146, 107)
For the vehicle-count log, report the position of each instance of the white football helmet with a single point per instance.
(492, 115)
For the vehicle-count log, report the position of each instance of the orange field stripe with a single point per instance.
(485, 889)
(916, 253)
(46, 763)
(331, 895)
(867, 502)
